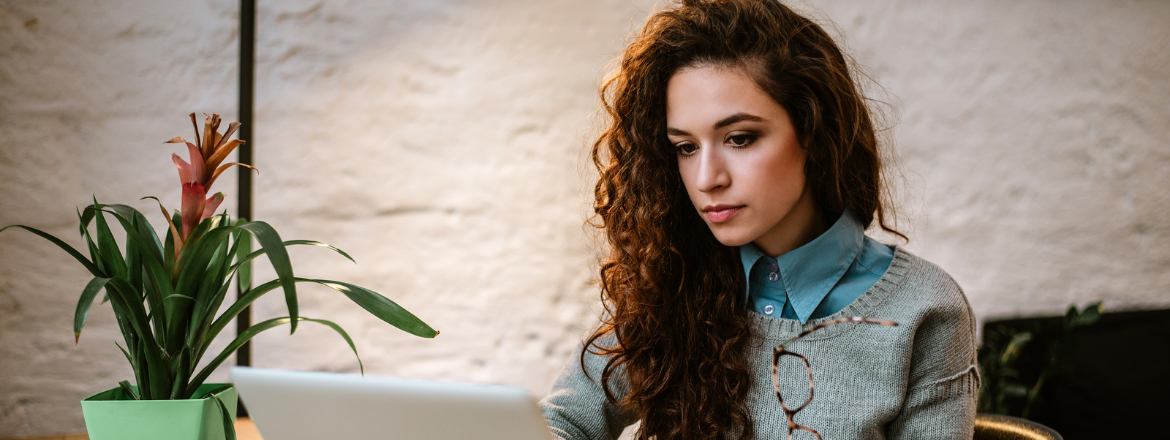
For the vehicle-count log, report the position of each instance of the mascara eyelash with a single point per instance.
(748, 140)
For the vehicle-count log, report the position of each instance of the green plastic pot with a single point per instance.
(112, 415)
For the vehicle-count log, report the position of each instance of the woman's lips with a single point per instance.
(720, 214)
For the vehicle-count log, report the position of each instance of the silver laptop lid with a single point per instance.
(297, 405)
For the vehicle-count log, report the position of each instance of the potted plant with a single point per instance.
(165, 294)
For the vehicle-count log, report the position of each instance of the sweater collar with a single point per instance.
(810, 271)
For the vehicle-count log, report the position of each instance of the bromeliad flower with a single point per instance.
(207, 155)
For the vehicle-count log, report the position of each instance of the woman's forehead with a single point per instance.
(700, 97)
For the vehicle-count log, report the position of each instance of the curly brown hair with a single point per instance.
(674, 296)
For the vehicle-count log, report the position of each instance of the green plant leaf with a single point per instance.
(200, 329)
(243, 266)
(127, 215)
(400, 317)
(1015, 390)
(130, 359)
(225, 318)
(110, 256)
(145, 231)
(278, 257)
(138, 254)
(191, 243)
(94, 254)
(129, 390)
(1089, 316)
(134, 263)
(382, 307)
(244, 257)
(341, 331)
(229, 425)
(254, 255)
(1012, 351)
(84, 303)
(181, 370)
(178, 296)
(132, 352)
(195, 259)
(153, 295)
(89, 265)
(143, 372)
(246, 336)
(217, 267)
(324, 245)
(137, 227)
(210, 293)
(127, 306)
(170, 255)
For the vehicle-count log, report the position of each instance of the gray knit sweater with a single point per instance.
(914, 381)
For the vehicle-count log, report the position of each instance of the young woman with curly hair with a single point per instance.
(738, 173)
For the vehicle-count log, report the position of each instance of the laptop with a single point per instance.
(299, 405)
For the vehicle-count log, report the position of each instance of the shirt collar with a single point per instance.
(810, 271)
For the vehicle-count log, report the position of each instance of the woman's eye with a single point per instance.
(687, 148)
(741, 140)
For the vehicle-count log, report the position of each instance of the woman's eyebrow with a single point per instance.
(738, 117)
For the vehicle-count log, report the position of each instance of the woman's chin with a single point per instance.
(731, 238)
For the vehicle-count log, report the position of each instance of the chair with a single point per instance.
(997, 427)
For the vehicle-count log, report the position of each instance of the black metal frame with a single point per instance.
(244, 209)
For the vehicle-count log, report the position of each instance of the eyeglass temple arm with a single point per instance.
(884, 322)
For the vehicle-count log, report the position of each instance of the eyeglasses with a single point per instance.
(781, 351)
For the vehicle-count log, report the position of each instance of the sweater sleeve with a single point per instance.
(940, 401)
(577, 409)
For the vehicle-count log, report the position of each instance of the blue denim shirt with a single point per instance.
(819, 278)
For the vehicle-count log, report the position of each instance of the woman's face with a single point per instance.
(740, 159)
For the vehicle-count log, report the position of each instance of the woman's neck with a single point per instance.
(804, 223)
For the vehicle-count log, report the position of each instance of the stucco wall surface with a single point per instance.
(1035, 142)
(442, 145)
(88, 93)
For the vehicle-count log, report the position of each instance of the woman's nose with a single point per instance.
(713, 173)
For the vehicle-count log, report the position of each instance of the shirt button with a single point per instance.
(773, 277)
(772, 266)
(768, 309)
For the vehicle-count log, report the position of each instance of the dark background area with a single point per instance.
(1113, 378)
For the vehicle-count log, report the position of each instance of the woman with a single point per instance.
(738, 173)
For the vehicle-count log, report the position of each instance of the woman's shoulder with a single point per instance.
(917, 274)
(924, 292)
(942, 323)
(591, 360)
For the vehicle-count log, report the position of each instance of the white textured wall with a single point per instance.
(438, 142)
(441, 144)
(88, 93)
(1035, 139)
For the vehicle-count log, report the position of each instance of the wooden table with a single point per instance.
(245, 430)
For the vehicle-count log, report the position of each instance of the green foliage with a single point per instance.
(1008, 351)
(166, 303)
